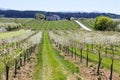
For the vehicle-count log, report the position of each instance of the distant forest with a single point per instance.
(63, 15)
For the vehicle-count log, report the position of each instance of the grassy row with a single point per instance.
(38, 68)
(16, 20)
(66, 64)
(62, 24)
(50, 65)
(12, 34)
(7, 19)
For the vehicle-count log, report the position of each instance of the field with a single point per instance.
(58, 50)
(49, 25)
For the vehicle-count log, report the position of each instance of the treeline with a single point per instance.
(63, 15)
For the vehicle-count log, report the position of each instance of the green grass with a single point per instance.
(43, 25)
(50, 65)
(12, 34)
(88, 22)
(18, 20)
(2, 69)
(7, 19)
(69, 66)
(39, 66)
(24, 20)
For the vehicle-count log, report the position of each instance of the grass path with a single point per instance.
(50, 65)
(13, 34)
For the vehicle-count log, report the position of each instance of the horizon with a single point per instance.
(62, 11)
(63, 6)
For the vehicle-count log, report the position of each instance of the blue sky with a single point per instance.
(112, 6)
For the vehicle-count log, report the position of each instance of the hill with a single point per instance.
(30, 14)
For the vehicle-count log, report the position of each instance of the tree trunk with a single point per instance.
(72, 53)
(24, 57)
(87, 60)
(75, 53)
(15, 69)
(81, 55)
(59, 46)
(7, 72)
(68, 50)
(28, 56)
(106, 50)
(20, 59)
(87, 56)
(111, 70)
(99, 61)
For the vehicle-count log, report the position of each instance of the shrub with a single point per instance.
(39, 16)
(104, 23)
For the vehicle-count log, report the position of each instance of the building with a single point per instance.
(53, 18)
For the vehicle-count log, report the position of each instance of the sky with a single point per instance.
(112, 6)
